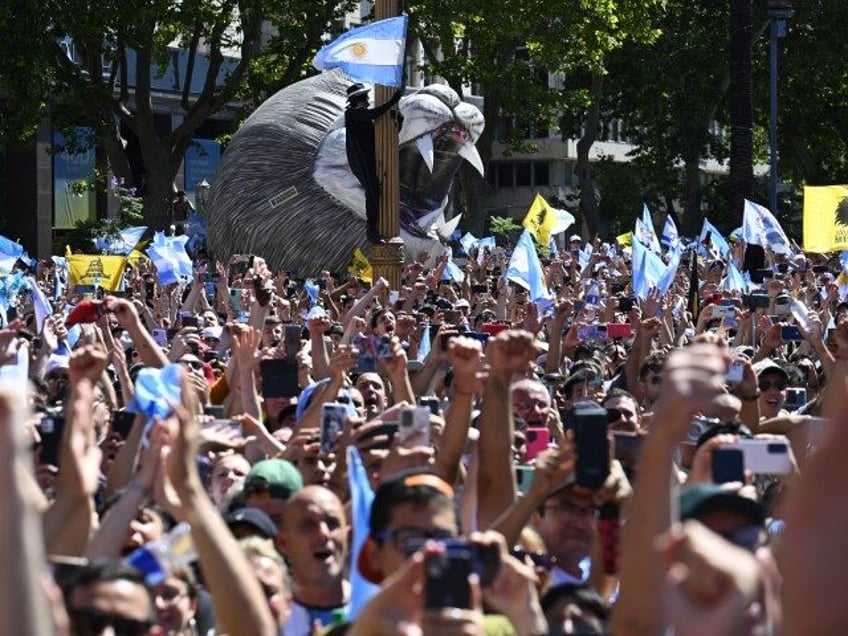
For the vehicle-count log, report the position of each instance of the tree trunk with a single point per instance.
(741, 180)
(589, 197)
(692, 217)
(158, 194)
(114, 145)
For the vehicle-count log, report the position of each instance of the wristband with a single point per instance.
(750, 398)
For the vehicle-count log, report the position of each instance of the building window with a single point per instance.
(70, 204)
(523, 174)
(505, 176)
(541, 173)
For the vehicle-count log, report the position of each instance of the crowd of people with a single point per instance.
(249, 453)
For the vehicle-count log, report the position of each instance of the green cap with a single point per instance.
(279, 477)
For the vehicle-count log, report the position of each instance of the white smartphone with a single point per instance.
(765, 456)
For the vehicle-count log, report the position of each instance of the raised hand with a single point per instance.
(88, 362)
(510, 352)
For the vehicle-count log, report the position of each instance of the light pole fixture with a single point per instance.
(778, 11)
(203, 193)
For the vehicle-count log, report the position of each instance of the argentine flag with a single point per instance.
(372, 53)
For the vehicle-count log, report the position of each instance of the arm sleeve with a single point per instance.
(375, 112)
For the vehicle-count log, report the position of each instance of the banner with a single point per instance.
(96, 271)
(361, 267)
(825, 218)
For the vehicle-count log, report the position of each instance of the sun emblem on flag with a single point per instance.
(359, 50)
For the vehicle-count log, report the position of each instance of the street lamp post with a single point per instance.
(778, 11)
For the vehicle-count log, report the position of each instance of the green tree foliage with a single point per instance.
(121, 45)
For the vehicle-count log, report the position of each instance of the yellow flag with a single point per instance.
(825, 218)
(625, 239)
(361, 267)
(96, 270)
(540, 220)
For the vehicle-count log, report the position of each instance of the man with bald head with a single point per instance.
(315, 534)
(531, 402)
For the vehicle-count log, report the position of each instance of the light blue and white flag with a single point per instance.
(487, 241)
(717, 240)
(525, 269)
(645, 235)
(312, 291)
(8, 247)
(371, 53)
(170, 258)
(468, 242)
(361, 498)
(733, 281)
(759, 227)
(123, 244)
(42, 307)
(452, 270)
(648, 270)
(670, 235)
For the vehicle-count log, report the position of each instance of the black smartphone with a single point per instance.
(188, 320)
(591, 422)
(790, 333)
(728, 465)
(51, 428)
(279, 378)
(214, 410)
(479, 289)
(389, 429)
(292, 340)
(333, 419)
(820, 269)
(756, 301)
(625, 305)
(122, 422)
(485, 559)
(446, 583)
(795, 398)
(431, 402)
(627, 447)
(782, 268)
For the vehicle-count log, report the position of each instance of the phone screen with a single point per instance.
(279, 378)
(592, 445)
(728, 465)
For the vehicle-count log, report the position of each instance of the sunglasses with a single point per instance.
(88, 622)
(766, 385)
(194, 364)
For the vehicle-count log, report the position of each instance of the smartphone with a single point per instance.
(820, 269)
(734, 372)
(389, 429)
(214, 410)
(432, 403)
(524, 477)
(790, 333)
(188, 320)
(538, 439)
(414, 426)
(479, 289)
(279, 378)
(795, 398)
(618, 330)
(122, 423)
(160, 337)
(292, 340)
(226, 425)
(333, 419)
(728, 465)
(591, 444)
(50, 430)
(446, 579)
(627, 447)
(480, 336)
(494, 328)
(149, 289)
(756, 301)
(592, 332)
(764, 456)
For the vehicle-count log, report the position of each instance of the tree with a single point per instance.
(508, 49)
(741, 108)
(120, 46)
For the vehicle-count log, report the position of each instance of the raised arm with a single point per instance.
(149, 352)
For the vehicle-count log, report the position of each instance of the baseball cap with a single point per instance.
(769, 365)
(575, 237)
(394, 489)
(461, 304)
(701, 499)
(305, 397)
(212, 332)
(279, 477)
(255, 518)
(57, 363)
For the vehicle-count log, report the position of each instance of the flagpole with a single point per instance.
(387, 258)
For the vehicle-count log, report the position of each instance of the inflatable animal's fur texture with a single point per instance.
(284, 190)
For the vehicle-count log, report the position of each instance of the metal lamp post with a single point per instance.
(778, 11)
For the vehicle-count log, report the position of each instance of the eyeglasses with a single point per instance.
(407, 540)
(565, 508)
(766, 385)
(89, 622)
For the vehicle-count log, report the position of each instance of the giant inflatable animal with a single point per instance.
(284, 189)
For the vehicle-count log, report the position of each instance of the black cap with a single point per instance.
(255, 518)
(357, 91)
